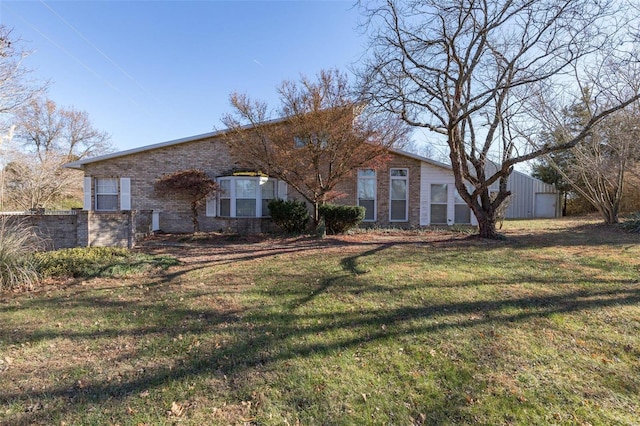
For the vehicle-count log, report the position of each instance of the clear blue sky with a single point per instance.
(152, 71)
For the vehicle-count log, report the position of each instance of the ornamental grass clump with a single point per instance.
(18, 268)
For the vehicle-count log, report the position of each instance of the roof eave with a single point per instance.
(420, 158)
(81, 163)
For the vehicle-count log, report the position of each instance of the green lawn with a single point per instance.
(374, 328)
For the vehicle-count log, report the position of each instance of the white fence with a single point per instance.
(41, 212)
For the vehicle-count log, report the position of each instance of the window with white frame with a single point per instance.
(367, 193)
(462, 212)
(225, 197)
(247, 196)
(399, 205)
(267, 193)
(106, 194)
(439, 196)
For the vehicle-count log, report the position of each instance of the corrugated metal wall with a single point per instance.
(524, 189)
(522, 186)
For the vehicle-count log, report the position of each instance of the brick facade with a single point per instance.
(209, 153)
(143, 168)
(383, 179)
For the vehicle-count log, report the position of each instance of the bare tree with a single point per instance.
(596, 168)
(45, 128)
(15, 87)
(468, 70)
(16, 90)
(324, 133)
(50, 137)
(598, 173)
(33, 184)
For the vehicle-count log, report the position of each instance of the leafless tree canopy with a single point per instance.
(322, 134)
(469, 70)
(597, 168)
(16, 89)
(45, 128)
(50, 137)
(30, 184)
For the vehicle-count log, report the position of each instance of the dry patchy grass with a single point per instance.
(371, 328)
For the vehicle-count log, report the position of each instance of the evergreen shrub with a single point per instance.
(340, 219)
(291, 216)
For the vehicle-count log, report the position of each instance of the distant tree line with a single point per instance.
(38, 137)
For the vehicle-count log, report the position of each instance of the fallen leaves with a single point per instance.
(176, 410)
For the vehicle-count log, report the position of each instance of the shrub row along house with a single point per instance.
(407, 191)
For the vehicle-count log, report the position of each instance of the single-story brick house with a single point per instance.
(423, 189)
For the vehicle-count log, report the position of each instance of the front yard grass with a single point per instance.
(374, 328)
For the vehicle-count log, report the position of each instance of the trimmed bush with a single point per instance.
(291, 216)
(105, 262)
(18, 269)
(339, 219)
(632, 224)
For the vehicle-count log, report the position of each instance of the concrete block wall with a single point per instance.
(56, 231)
(83, 228)
(109, 229)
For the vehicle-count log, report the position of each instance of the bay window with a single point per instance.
(225, 197)
(248, 196)
(268, 193)
(245, 197)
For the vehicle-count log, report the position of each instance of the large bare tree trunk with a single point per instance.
(489, 76)
(487, 228)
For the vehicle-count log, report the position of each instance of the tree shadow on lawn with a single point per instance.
(581, 234)
(197, 257)
(263, 338)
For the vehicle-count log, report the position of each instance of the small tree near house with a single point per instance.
(193, 183)
(323, 134)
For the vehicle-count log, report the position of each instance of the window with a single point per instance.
(439, 195)
(318, 139)
(398, 209)
(367, 193)
(268, 193)
(246, 197)
(225, 197)
(242, 196)
(106, 194)
(462, 210)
